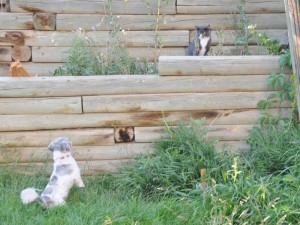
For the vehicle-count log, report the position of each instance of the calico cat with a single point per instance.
(201, 44)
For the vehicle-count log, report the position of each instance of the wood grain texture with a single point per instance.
(96, 120)
(38, 138)
(92, 7)
(228, 36)
(128, 84)
(101, 38)
(5, 54)
(16, 21)
(168, 22)
(60, 54)
(87, 168)
(22, 53)
(34, 69)
(175, 102)
(23, 106)
(228, 6)
(216, 132)
(220, 65)
(80, 153)
(44, 21)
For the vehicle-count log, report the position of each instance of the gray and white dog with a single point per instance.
(66, 173)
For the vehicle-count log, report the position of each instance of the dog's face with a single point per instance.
(60, 144)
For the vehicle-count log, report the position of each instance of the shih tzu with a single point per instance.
(66, 173)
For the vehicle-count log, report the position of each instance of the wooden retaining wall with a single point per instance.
(97, 112)
(39, 32)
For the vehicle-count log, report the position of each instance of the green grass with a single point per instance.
(238, 192)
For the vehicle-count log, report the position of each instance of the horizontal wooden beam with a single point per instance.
(218, 65)
(87, 167)
(128, 84)
(39, 138)
(60, 54)
(93, 7)
(174, 102)
(34, 69)
(16, 21)
(168, 22)
(5, 54)
(23, 106)
(168, 38)
(96, 120)
(229, 6)
(227, 37)
(217, 132)
(80, 153)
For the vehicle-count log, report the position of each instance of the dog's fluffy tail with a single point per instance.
(29, 195)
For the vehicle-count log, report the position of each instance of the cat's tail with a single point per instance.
(29, 195)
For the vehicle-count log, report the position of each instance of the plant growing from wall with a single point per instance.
(244, 31)
(275, 141)
(83, 59)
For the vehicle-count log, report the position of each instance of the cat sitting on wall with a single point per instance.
(201, 44)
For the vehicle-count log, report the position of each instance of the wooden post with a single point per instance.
(203, 179)
(21, 53)
(44, 21)
(292, 9)
(124, 134)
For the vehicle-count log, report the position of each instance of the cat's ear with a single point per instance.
(197, 27)
(208, 27)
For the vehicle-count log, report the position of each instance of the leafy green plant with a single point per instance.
(173, 170)
(273, 46)
(244, 31)
(84, 60)
(275, 148)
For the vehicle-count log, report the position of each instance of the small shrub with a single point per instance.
(275, 148)
(174, 167)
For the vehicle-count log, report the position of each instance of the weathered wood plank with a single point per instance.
(293, 20)
(98, 38)
(101, 38)
(89, 6)
(228, 36)
(228, 6)
(218, 65)
(80, 153)
(87, 168)
(16, 21)
(34, 69)
(4, 6)
(217, 132)
(174, 102)
(169, 38)
(168, 22)
(78, 137)
(5, 54)
(44, 21)
(13, 37)
(234, 50)
(23, 106)
(128, 84)
(95, 120)
(21, 53)
(60, 54)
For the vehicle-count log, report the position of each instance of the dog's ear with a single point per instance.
(51, 146)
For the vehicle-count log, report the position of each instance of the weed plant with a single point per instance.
(84, 60)
(173, 170)
(246, 33)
